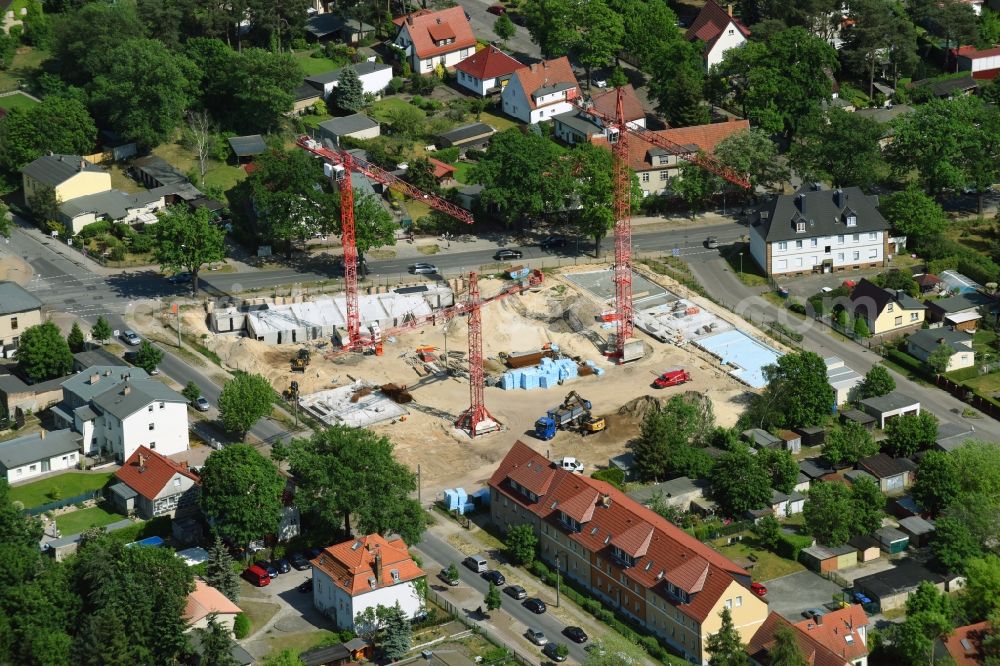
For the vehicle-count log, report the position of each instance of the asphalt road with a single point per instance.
(444, 554)
(689, 241)
(520, 45)
(65, 284)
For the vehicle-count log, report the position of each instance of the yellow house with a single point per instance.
(886, 310)
(69, 176)
(19, 310)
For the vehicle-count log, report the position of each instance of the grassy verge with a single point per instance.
(768, 565)
(18, 101)
(259, 612)
(63, 485)
(298, 642)
(75, 522)
(428, 249)
(675, 268)
(745, 269)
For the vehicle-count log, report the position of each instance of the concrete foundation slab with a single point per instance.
(334, 406)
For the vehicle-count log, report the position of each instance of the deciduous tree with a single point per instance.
(786, 651)
(43, 353)
(667, 436)
(58, 124)
(781, 467)
(849, 443)
(932, 140)
(552, 25)
(648, 26)
(678, 83)
(913, 213)
(877, 382)
(821, 144)
(187, 240)
(504, 28)
(245, 399)
(148, 356)
(797, 393)
(910, 433)
(600, 32)
(982, 587)
(868, 506)
(739, 483)
(937, 481)
(753, 154)
(241, 492)
(827, 513)
(492, 599)
(191, 392)
(520, 544)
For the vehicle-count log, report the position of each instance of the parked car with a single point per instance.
(130, 337)
(759, 589)
(422, 268)
(553, 242)
(555, 651)
(306, 586)
(861, 598)
(599, 83)
(179, 278)
(515, 591)
(201, 404)
(575, 634)
(477, 563)
(812, 613)
(299, 561)
(283, 566)
(712, 242)
(507, 254)
(448, 579)
(257, 576)
(495, 577)
(271, 570)
(570, 465)
(535, 605)
(536, 636)
(499, 10)
(672, 378)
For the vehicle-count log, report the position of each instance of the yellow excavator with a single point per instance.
(300, 361)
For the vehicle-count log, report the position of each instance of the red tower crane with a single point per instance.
(476, 414)
(619, 132)
(344, 164)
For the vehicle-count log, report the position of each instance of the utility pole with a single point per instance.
(558, 581)
(418, 485)
(177, 311)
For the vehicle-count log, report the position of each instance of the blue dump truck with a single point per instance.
(573, 409)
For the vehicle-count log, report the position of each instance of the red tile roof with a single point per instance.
(489, 63)
(972, 634)
(836, 627)
(813, 651)
(426, 27)
(606, 102)
(705, 137)
(972, 53)
(546, 73)
(581, 506)
(441, 170)
(206, 600)
(711, 22)
(351, 565)
(146, 472)
(662, 549)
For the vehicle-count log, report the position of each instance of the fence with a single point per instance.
(460, 615)
(58, 504)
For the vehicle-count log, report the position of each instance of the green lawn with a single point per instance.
(497, 122)
(383, 108)
(986, 384)
(18, 101)
(768, 564)
(218, 174)
(68, 485)
(258, 612)
(984, 341)
(78, 521)
(312, 65)
(25, 61)
(462, 171)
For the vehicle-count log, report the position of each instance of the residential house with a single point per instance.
(965, 644)
(962, 312)
(541, 91)
(889, 406)
(678, 493)
(68, 176)
(886, 310)
(114, 206)
(919, 530)
(117, 409)
(983, 64)
(949, 88)
(204, 601)
(304, 97)
(362, 573)
(473, 135)
(19, 309)
(819, 231)
(823, 559)
(374, 76)
(891, 540)
(580, 126)
(41, 452)
(928, 282)
(893, 474)
(487, 71)
(323, 27)
(921, 344)
(655, 166)
(889, 589)
(633, 560)
(151, 485)
(867, 547)
(430, 39)
(443, 172)
(356, 126)
(245, 148)
(718, 30)
(842, 379)
(836, 639)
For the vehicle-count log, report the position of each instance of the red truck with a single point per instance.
(672, 378)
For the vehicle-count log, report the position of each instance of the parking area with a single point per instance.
(790, 595)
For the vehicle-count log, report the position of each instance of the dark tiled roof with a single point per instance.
(466, 132)
(900, 578)
(967, 301)
(929, 339)
(872, 299)
(52, 170)
(245, 146)
(824, 213)
(889, 402)
(348, 124)
(14, 298)
(882, 466)
(37, 446)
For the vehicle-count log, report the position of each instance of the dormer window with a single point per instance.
(623, 558)
(569, 522)
(800, 227)
(852, 221)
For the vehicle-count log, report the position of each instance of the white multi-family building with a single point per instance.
(819, 231)
(540, 92)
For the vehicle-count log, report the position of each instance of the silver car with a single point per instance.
(536, 636)
(422, 268)
(130, 337)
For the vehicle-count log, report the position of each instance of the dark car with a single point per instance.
(553, 242)
(306, 586)
(298, 561)
(515, 591)
(507, 254)
(271, 570)
(499, 10)
(179, 278)
(535, 605)
(575, 634)
(555, 651)
(495, 577)
(283, 566)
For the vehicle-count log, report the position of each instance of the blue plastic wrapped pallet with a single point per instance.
(468, 507)
(463, 496)
(482, 496)
(450, 499)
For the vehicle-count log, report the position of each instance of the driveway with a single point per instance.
(790, 595)
(296, 613)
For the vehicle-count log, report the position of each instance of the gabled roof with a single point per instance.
(426, 27)
(882, 466)
(839, 632)
(661, 550)
(489, 63)
(711, 22)
(147, 472)
(606, 101)
(545, 77)
(204, 601)
(928, 339)
(135, 394)
(53, 170)
(823, 211)
(245, 146)
(441, 169)
(867, 294)
(97, 379)
(968, 301)
(14, 298)
(965, 644)
(691, 140)
(351, 565)
(581, 506)
(361, 69)
(534, 475)
(815, 653)
(37, 446)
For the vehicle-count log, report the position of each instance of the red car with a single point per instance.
(499, 10)
(672, 378)
(758, 589)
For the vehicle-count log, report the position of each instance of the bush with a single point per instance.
(95, 229)
(447, 155)
(474, 155)
(790, 545)
(241, 627)
(612, 475)
(396, 84)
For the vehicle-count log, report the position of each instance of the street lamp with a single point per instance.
(741, 265)
(557, 580)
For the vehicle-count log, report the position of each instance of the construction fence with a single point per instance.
(461, 615)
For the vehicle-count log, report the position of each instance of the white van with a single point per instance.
(477, 563)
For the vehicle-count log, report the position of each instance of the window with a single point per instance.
(782, 263)
(914, 316)
(840, 238)
(20, 471)
(782, 245)
(739, 601)
(840, 256)
(149, 409)
(177, 483)
(162, 405)
(891, 306)
(873, 254)
(664, 175)
(732, 32)
(899, 321)
(852, 221)
(857, 255)
(152, 426)
(152, 445)
(856, 238)
(798, 245)
(32, 468)
(800, 227)
(729, 603)
(813, 242)
(645, 177)
(872, 235)
(13, 323)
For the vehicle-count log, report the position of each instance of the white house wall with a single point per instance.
(339, 605)
(56, 463)
(845, 250)
(730, 38)
(169, 434)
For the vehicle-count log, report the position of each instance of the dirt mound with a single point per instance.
(639, 407)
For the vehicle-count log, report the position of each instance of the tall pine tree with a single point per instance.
(219, 572)
(75, 339)
(785, 651)
(349, 95)
(396, 634)
(216, 645)
(725, 645)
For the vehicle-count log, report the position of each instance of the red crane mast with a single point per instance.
(619, 132)
(476, 414)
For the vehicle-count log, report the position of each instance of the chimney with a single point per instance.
(184, 464)
(378, 564)
(605, 501)
(545, 64)
(940, 341)
(126, 390)
(800, 202)
(94, 378)
(409, 19)
(729, 9)
(839, 198)
(142, 462)
(107, 373)
(819, 619)
(83, 164)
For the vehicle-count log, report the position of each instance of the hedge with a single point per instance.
(790, 545)
(241, 626)
(612, 475)
(910, 363)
